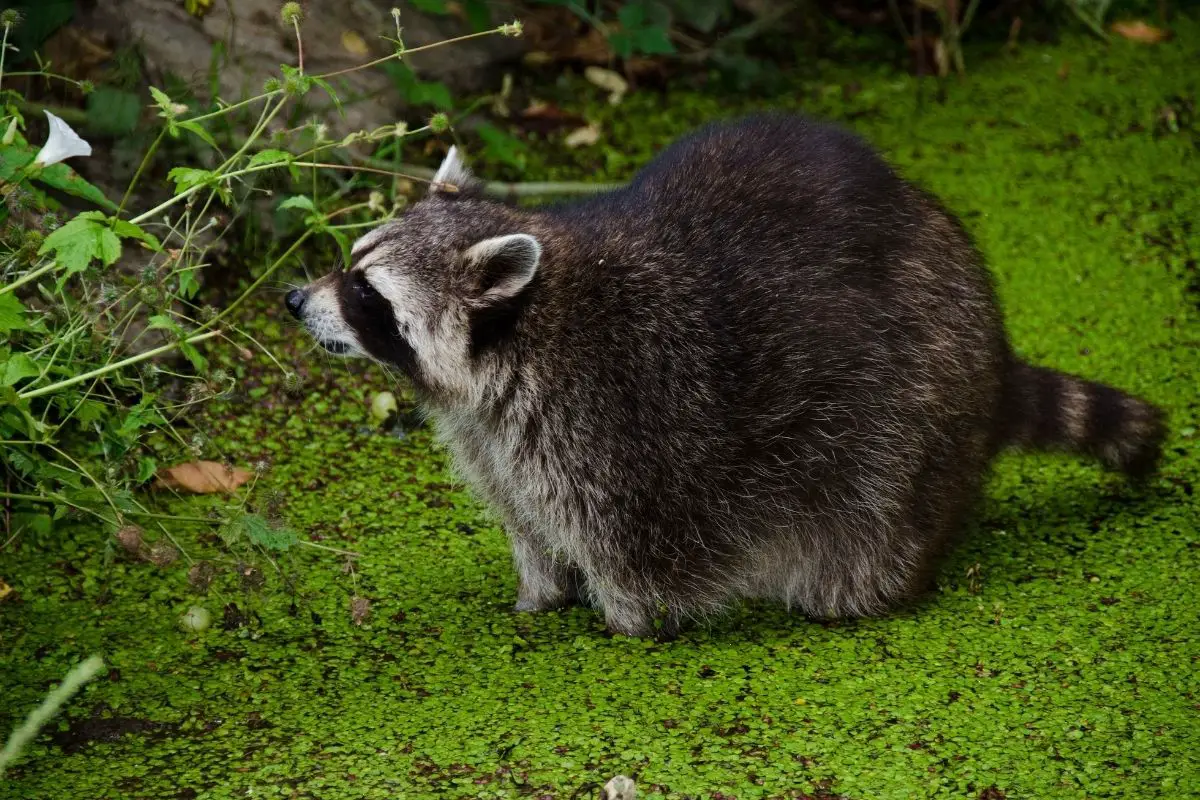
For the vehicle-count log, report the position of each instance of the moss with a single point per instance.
(1055, 658)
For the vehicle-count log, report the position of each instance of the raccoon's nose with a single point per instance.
(295, 301)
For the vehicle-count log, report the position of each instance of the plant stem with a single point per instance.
(54, 387)
(76, 678)
(257, 282)
(137, 175)
(402, 53)
(31, 276)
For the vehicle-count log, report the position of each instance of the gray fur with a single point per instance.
(769, 367)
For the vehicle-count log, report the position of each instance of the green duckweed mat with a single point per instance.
(1057, 658)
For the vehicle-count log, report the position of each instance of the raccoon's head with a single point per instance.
(427, 293)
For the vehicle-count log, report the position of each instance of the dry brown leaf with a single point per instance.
(203, 477)
(582, 137)
(1140, 31)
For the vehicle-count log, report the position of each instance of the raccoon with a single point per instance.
(767, 367)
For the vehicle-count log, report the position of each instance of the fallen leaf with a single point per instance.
(5, 589)
(203, 477)
(354, 44)
(1140, 31)
(609, 81)
(582, 137)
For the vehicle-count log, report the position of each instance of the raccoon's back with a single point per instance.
(771, 290)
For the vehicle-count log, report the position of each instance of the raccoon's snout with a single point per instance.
(295, 301)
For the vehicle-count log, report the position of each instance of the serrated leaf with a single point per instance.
(260, 532)
(127, 230)
(270, 157)
(82, 239)
(189, 177)
(12, 314)
(161, 322)
(161, 99)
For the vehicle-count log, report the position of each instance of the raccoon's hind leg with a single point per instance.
(544, 583)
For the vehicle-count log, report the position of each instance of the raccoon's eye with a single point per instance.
(363, 290)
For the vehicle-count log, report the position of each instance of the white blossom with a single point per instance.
(63, 143)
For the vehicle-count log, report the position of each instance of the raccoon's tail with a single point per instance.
(1049, 410)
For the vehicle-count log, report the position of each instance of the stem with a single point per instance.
(503, 190)
(32, 276)
(227, 109)
(257, 282)
(403, 53)
(299, 45)
(3, 52)
(137, 175)
(76, 678)
(54, 387)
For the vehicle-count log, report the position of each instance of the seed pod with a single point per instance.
(201, 575)
(130, 538)
(162, 553)
(360, 609)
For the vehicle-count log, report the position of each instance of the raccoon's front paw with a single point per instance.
(531, 605)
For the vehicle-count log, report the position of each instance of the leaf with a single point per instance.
(127, 230)
(82, 239)
(270, 157)
(19, 367)
(500, 145)
(203, 477)
(113, 112)
(416, 91)
(260, 532)
(198, 129)
(188, 177)
(1140, 31)
(302, 201)
(12, 314)
(146, 468)
(161, 99)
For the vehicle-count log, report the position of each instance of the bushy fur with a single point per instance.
(769, 367)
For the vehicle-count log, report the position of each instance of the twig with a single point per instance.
(499, 189)
(23, 735)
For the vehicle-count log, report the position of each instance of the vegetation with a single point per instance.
(1052, 660)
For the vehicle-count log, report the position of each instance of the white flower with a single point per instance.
(63, 143)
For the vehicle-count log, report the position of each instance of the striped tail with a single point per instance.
(1049, 410)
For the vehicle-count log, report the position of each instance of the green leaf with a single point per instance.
(19, 367)
(161, 322)
(416, 91)
(113, 112)
(82, 239)
(188, 177)
(127, 230)
(198, 129)
(501, 146)
(199, 362)
(12, 314)
(301, 201)
(146, 468)
(270, 157)
(262, 533)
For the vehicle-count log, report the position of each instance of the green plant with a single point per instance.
(101, 309)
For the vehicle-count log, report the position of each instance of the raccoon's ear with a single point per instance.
(452, 176)
(504, 265)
